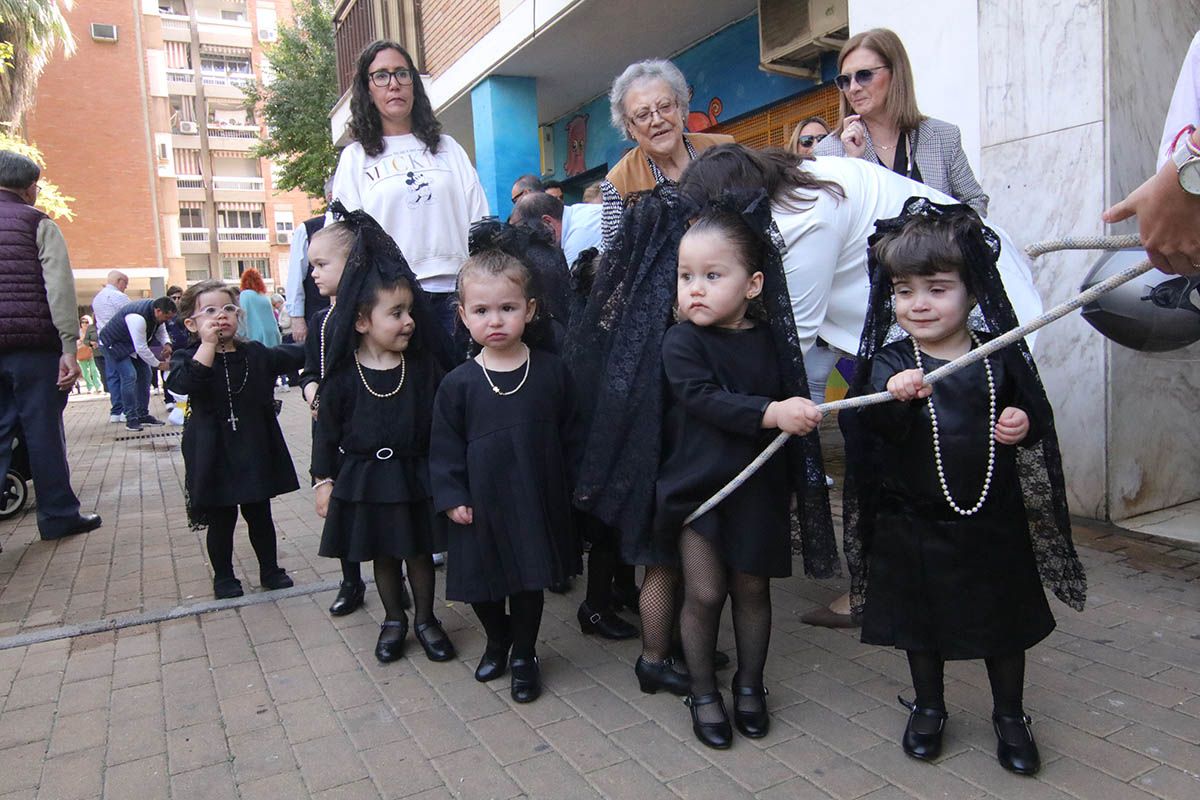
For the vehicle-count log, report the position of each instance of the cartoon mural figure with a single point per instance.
(418, 188)
(576, 144)
(698, 121)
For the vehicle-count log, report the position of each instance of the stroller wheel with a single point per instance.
(13, 494)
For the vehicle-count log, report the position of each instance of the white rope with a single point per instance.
(1000, 342)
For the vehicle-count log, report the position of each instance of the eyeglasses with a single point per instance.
(643, 116)
(862, 77)
(812, 139)
(520, 194)
(383, 77)
(208, 312)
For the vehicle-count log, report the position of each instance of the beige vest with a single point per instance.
(632, 173)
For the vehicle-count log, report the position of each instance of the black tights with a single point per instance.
(221, 522)
(351, 571)
(602, 564)
(706, 582)
(520, 626)
(1005, 673)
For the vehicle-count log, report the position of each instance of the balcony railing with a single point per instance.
(176, 22)
(193, 234)
(239, 185)
(189, 181)
(242, 234)
(177, 75)
(232, 131)
(226, 78)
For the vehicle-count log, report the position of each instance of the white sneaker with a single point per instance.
(116, 417)
(829, 481)
(439, 559)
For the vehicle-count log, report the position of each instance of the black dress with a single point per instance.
(377, 450)
(721, 382)
(512, 459)
(966, 587)
(224, 467)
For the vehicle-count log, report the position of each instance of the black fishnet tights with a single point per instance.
(657, 605)
(706, 583)
(1006, 674)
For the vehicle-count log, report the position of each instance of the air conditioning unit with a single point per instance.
(792, 34)
(282, 237)
(188, 127)
(103, 32)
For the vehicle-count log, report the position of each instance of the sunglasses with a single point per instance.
(811, 140)
(862, 77)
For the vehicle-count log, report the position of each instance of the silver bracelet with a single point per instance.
(322, 482)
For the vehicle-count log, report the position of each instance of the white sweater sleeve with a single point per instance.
(477, 207)
(346, 178)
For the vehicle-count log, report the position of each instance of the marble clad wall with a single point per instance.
(1154, 400)
(1042, 108)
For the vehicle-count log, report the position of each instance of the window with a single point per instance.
(230, 218)
(232, 268)
(223, 64)
(233, 16)
(191, 217)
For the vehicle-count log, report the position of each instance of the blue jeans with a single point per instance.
(134, 375)
(114, 386)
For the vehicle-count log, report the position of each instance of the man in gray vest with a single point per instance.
(126, 339)
(39, 330)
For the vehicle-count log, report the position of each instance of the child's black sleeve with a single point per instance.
(1020, 399)
(696, 388)
(311, 373)
(891, 420)
(285, 358)
(188, 376)
(327, 435)
(448, 447)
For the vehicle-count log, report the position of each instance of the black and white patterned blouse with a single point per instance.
(614, 204)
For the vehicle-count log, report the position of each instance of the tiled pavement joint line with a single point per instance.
(161, 615)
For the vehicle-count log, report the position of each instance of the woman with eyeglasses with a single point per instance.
(402, 170)
(649, 105)
(807, 135)
(882, 124)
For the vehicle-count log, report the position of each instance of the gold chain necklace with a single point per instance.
(488, 378)
(392, 393)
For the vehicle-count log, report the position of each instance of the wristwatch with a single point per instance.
(1187, 163)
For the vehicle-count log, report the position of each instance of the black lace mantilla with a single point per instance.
(1039, 467)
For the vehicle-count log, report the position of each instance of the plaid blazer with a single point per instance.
(940, 158)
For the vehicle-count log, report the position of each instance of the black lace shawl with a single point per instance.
(1039, 467)
(376, 259)
(614, 350)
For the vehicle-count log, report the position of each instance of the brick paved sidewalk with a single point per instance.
(279, 700)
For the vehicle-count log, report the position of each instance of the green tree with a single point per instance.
(33, 29)
(295, 106)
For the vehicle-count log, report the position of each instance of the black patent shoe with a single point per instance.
(1015, 747)
(526, 680)
(753, 722)
(433, 639)
(923, 734)
(717, 735)
(227, 588)
(606, 624)
(494, 662)
(350, 597)
(390, 646)
(662, 675)
(627, 596)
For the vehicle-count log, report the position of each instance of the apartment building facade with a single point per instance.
(147, 127)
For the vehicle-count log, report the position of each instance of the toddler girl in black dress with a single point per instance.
(729, 401)
(233, 450)
(370, 453)
(946, 499)
(505, 449)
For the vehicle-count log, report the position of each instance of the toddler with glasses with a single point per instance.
(234, 454)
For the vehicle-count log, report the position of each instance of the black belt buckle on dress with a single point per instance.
(384, 453)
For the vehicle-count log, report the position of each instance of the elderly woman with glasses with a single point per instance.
(649, 103)
(401, 169)
(882, 124)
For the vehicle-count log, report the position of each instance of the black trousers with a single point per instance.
(29, 396)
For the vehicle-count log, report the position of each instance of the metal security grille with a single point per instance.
(772, 126)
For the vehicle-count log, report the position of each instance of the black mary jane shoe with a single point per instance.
(652, 677)
(756, 722)
(606, 624)
(390, 646)
(434, 641)
(493, 663)
(717, 735)
(350, 597)
(1015, 747)
(923, 734)
(276, 579)
(227, 588)
(526, 680)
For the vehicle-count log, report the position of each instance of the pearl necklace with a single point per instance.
(392, 393)
(488, 378)
(316, 401)
(937, 447)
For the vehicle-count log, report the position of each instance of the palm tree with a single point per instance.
(35, 29)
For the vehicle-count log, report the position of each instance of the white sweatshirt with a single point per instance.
(426, 202)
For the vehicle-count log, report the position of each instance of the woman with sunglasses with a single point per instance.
(807, 135)
(402, 170)
(882, 124)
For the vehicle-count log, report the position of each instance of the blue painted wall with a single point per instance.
(723, 66)
(506, 136)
